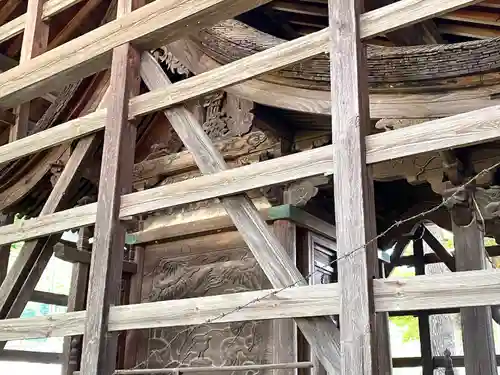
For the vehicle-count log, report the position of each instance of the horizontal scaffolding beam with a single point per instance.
(462, 289)
(157, 23)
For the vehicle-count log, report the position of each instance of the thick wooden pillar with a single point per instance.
(354, 200)
(477, 326)
(284, 333)
(99, 346)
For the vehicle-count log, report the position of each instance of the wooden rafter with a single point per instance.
(279, 268)
(88, 54)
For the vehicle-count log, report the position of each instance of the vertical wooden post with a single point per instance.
(76, 302)
(99, 346)
(477, 329)
(35, 39)
(423, 318)
(354, 200)
(134, 337)
(5, 249)
(284, 333)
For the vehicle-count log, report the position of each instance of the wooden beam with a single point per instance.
(423, 317)
(35, 255)
(363, 345)
(88, 54)
(31, 357)
(305, 301)
(477, 323)
(443, 291)
(99, 347)
(50, 8)
(35, 39)
(320, 332)
(437, 134)
(76, 302)
(439, 250)
(454, 131)
(49, 298)
(7, 9)
(73, 255)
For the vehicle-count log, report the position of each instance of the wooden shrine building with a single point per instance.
(242, 177)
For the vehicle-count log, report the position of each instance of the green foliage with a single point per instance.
(409, 325)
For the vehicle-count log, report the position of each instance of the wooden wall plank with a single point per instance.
(35, 39)
(355, 223)
(320, 332)
(99, 350)
(477, 323)
(91, 52)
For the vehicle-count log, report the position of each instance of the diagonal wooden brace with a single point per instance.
(321, 332)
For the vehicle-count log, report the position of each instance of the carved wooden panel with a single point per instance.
(186, 270)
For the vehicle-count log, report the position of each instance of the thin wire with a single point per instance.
(308, 276)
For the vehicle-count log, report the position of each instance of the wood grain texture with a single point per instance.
(84, 56)
(469, 288)
(441, 134)
(50, 8)
(35, 38)
(279, 268)
(306, 301)
(459, 130)
(382, 105)
(464, 289)
(477, 323)
(155, 23)
(284, 331)
(99, 347)
(354, 197)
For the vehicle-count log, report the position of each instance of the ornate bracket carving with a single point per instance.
(165, 57)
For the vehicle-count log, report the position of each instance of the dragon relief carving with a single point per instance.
(214, 344)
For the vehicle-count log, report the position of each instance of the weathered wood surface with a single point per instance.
(281, 271)
(469, 288)
(88, 54)
(35, 38)
(464, 289)
(153, 24)
(73, 255)
(412, 105)
(50, 8)
(442, 134)
(477, 323)
(99, 347)
(76, 302)
(307, 301)
(284, 331)
(363, 344)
